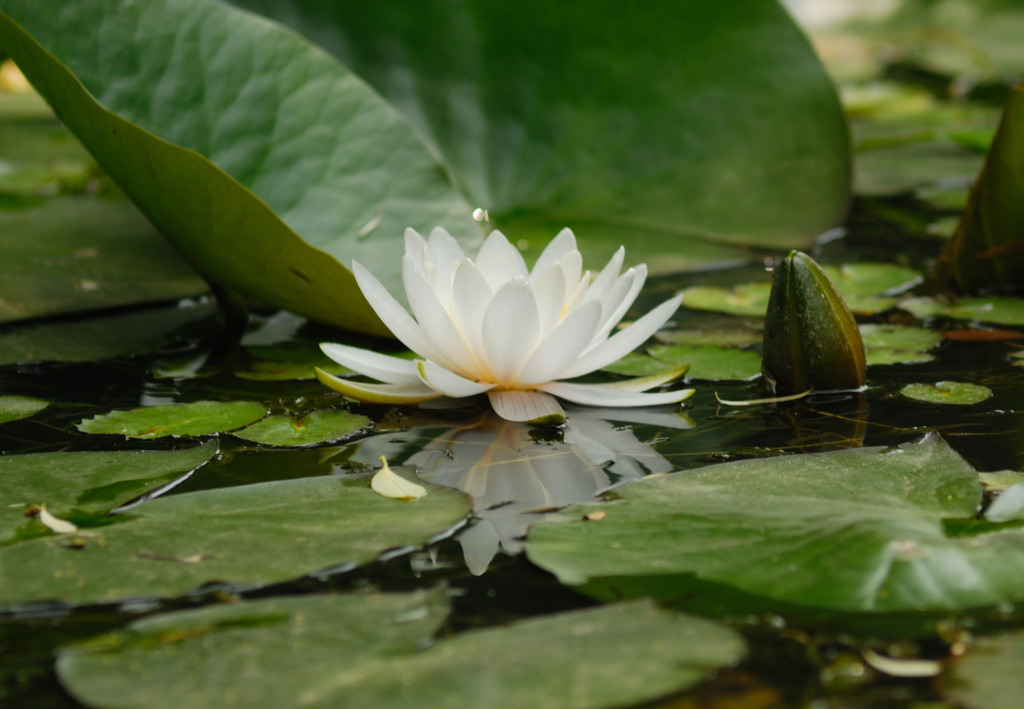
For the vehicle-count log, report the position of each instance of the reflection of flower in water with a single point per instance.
(512, 477)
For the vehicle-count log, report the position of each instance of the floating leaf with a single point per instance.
(1000, 310)
(896, 344)
(860, 531)
(947, 392)
(378, 650)
(711, 362)
(988, 676)
(537, 133)
(13, 407)
(987, 248)
(736, 337)
(83, 486)
(744, 299)
(636, 364)
(90, 338)
(315, 427)
(195, 419)
(235, 154)
(251, 534)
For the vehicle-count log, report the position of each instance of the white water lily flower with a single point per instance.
(491, 325)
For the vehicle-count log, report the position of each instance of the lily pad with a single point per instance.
(743, 299)
(711, 362)
(247, 535)
(315, 427)
(947, 392)
(861, 531)
(109, 335)
(988, 676)
(736, 337)
(82, 487)
(897, 344)
(194, 419)
(13, 407)
(289, 363)
(1000, 310)
(636, 364)
(261, 158)
(287, 653)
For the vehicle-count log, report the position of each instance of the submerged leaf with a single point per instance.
(382, 650)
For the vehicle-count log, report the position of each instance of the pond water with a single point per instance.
(517, 475)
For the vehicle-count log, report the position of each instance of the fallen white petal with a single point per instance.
(56, 524)
(412, 393)
(387, 483)
(526, 406)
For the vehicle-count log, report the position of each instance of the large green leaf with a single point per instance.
(195, 418)
(236, 138)
(376, 651)
(82, 486)
(675, 129)
(251, 534)
(863, 531)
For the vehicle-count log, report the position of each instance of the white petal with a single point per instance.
(436, 322)
(412, 393)
(395, 317)
(528, 406)
(444, 251)
(623, 342)
(385, 368)
(414, 247)
(608, 275)
(603, 395)
(448, 383)
(510, 330)
(554, 251)
(561, 347)
(572, 268)
(388, 483)
(470, 297)
(549, 291)
(616, 304)
(500, 261)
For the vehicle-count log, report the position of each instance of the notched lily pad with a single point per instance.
(246, 535)
(82, 487)
(861, 531)
(947, 392)
(315, 427)
(711, 362)
(14, 407)
(289, 652)
(897, 344)
(194, 419)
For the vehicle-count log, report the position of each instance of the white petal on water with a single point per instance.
(448, 383)
(395, 317)
(499, 261)
(510, 330)
(388, 483)
(562, 346)
(413, 393)
(56, 524)
(554, 251)
(603, 395)
(385, 368)
(526, 406)
(625, 341)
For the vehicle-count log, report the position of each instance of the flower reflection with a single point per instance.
(512, 477)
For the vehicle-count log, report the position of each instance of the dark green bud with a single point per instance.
(810, 337)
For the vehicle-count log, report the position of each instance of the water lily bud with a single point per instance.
(810, 337)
